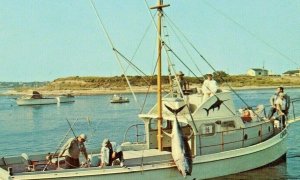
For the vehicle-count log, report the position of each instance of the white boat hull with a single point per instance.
(22, 102)
(206, 166)
(42, 101)
(65, 99)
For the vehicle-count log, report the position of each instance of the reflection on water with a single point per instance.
(42, 128)
(269, 172)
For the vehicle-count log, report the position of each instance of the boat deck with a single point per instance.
(132, 158)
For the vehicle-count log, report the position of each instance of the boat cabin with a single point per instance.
(215, 125)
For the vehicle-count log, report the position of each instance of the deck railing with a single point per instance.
(294, 103)
(140, 136)
(242, 140)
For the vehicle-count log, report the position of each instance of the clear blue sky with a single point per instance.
(41, 40)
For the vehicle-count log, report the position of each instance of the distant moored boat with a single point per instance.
(119, 99)
(37, 99)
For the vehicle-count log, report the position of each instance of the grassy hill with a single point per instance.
(119, 82)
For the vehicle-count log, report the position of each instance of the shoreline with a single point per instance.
(97, 91)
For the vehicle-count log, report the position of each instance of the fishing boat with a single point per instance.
(119, 99)
(35, 99)
(65, 98)
(38, 99)
(185, 138)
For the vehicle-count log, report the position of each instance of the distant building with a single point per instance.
(257, 72)
(292, 73)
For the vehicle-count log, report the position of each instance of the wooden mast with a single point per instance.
(159, 8)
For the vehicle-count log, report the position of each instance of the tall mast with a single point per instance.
(159, 8)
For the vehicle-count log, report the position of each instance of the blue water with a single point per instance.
(42, 128)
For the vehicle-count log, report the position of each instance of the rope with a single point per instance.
(251, 33)
(140, 43)
(205, 60)
(58, 147)
(163, 43)
(187, 52)
(148, 83)
(113, 47)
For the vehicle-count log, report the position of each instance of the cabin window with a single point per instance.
(208, 129)
(228, 124)
(153, 124)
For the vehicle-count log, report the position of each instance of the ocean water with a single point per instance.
(43, 128)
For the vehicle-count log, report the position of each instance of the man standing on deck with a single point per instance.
(179, 83)
(71, 151)
(273, 99)
(280, 105)
(209, 87)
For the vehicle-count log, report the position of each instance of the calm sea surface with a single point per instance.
(42, 128)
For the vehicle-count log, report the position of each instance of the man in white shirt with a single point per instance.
(110, 151)
(209, 87)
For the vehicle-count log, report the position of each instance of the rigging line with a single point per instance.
(178, 58)
(113, 47)
(139, 70)
(91, 128)
(177, 81)
(185, 48)
(192, 47)
(205, 60)
(159, 36)
(148, 83)
(67, 133)
(152, 18)
(59, 145)
(166, 35)
(153, 21)
(130, 63)
(140, 43)
(167, 54)
(251, 33)
(162, 12)
(170, 66)
(71, 127)
(195, 75)
(181, 60)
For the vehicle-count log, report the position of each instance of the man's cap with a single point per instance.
(180, 73)
(83, 136)
(105, 142)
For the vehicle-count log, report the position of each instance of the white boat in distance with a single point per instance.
(220, 141)
(37, 99)
(119, 99)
